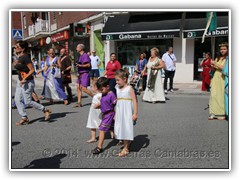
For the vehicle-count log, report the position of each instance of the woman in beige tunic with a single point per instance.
(154, 90)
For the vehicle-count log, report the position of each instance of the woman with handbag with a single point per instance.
(154, 90)
(206, 78)
(53, 89)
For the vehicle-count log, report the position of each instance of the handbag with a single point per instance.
(57, 73)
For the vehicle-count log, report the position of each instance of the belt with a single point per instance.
(129, 99)
(108, 112)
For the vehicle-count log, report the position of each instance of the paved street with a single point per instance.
(176, 134)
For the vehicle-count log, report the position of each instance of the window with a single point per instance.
(54, 17)
(44, 15)
(129, 51)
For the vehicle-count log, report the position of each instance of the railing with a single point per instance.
(41, 26)
(31, 30)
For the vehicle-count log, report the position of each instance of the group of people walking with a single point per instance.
(114, 105)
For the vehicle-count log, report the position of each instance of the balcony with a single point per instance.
(31, 30)
(40, 27)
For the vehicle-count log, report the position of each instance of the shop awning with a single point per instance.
(143, 26)
(195, 24)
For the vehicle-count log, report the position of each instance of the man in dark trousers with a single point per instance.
(170, 62)
(66, 66)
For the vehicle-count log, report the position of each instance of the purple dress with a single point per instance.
(84, 77)
(53, 88)
(108, 102)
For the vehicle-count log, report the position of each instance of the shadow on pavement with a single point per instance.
(110, 144)
(46, 163)
(139, 142)
(14, 143)
(54, 117)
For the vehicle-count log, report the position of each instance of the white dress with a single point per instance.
(123, 126)
(94, 119)
(157, 93)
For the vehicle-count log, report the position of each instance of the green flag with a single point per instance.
(213, 24)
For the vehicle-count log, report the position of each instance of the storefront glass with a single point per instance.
(202, 48)
(129, 51)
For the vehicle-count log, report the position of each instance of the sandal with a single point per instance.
(42, 97)
(77, 105)
(23, 121)
(120, 143)
(212, 117)
(51, 102)
(221, 118)
(97, 150)
(91, 141)
(123, 153)
(47, 114)
(65, 102)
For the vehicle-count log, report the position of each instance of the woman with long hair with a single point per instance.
(206, 78)
(216, 102)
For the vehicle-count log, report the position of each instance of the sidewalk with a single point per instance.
(179, 88)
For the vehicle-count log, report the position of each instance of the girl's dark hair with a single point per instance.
(112, 54)
(102, 82)
(209, 54)
(122, 74)
(50, 48)
(23, 45)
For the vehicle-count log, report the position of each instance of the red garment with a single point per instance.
(206, 78)
(112, 68)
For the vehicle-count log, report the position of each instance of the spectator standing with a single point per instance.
(170, 63)
(95, 63)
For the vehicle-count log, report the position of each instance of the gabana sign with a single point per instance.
(157, 35)
(195, 34)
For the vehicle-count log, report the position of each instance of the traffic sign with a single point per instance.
(17, 34)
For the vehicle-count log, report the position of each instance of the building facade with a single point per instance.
(55, 29)
(127, 34)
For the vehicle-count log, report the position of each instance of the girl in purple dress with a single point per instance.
(107, 104)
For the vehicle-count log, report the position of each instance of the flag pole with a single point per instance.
(208, 24)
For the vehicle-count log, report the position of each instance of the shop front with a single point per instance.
(195, 24)
(59, 41)
(129, 35)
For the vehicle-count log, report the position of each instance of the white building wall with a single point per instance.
(184, 51)
(109, 47)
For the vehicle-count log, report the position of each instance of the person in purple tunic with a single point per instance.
(107, 104)
(84, 67)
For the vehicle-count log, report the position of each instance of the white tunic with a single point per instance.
(123, 126)
(157, 93)
(94, 119)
